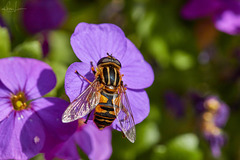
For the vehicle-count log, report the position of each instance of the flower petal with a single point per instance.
(132, 55)
(39, 15)
(32, 76)
(51, 118)
(228, 21)
(138, 75)
(139, 103)
(16, 142)
(90, 42)
(199, 8)
(65, 150)
(5, 103)
(222, 115)
(74, 84)
(94, 142)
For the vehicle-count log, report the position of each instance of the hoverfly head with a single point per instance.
(109, 59)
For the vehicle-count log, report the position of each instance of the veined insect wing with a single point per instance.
(124, 115)
(83, 104)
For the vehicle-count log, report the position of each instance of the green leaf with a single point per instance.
(159, 152)
(159, 49)
(60, 48)
(148, 134)
(184, 147)
(30, 49)
(182, 60)
(187, 141)
(145, 25)
(5, 44)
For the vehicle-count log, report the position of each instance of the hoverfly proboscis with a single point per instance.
(107, 95)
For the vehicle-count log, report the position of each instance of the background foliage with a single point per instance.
(187, 57)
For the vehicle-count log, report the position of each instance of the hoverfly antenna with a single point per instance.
(110, 55)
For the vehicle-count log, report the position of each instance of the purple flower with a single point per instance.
(43, 16)
(29, 124)
(91, 42)
(213, 120)
(224, 13)
(95, 143)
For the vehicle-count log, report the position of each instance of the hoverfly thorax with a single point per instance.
(109, 74)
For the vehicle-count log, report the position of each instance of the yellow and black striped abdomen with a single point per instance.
(104, 113)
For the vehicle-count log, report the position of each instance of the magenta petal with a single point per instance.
(74, 84)
(94, 142)
(32, 76)
(51, 117)
(66, 150)
(199, 8)
(139, 103)
(228, 22)
(90, 42)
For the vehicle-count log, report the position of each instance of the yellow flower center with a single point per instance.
(212, 105)
(19, 101)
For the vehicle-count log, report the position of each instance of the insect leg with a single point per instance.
(92, 68)
(123, 135)
(87, 117)
(83, 77)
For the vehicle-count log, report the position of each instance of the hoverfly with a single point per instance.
(107, 95)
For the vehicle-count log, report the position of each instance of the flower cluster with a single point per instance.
(213, 116)
(91, 42)
(29, 124)
(213, 119)
(224, 13)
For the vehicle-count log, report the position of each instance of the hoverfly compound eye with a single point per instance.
(118, 63)
(109, 59)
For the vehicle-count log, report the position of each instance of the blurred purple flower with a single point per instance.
(29, 124)
(224, 13)
(94, 142)
(213, 120)
(91, 42)
(41, 16)
(216, 142)
(174, 104)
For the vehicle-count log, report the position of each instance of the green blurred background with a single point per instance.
(187, 56)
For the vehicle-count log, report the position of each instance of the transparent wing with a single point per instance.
(83, 104)
(124, 115)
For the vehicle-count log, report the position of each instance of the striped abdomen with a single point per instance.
(104, 113)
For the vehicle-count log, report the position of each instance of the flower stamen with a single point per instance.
(19, 101)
